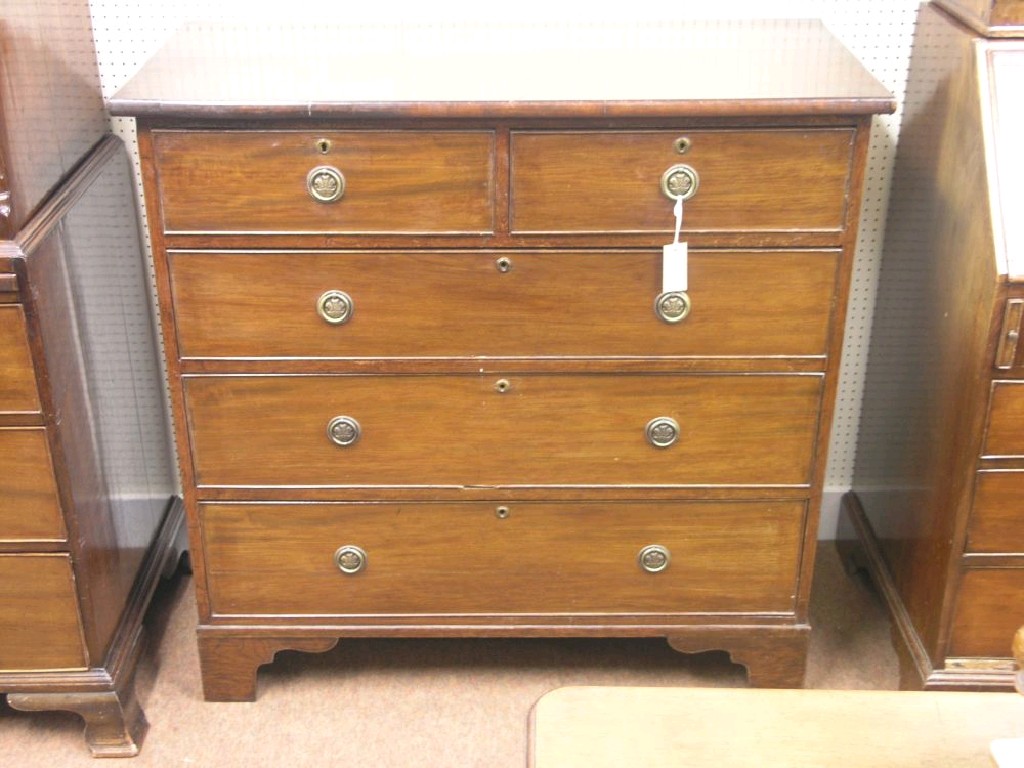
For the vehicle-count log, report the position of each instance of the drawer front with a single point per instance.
(1005, 436)
(541, 430)
(29, 505)
(997, 518)
(18, 392)
(256, 181)
(744, 303)
(39, 621)
(749, 181)
(464, 559)
(989, 610)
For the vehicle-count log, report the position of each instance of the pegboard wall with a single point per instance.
(878, 32)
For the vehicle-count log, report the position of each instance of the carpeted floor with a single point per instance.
(404, 703)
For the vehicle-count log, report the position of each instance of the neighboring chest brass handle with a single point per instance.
(654, 558)
(662, 431)
(673, 307)
(679, 181)
(350, 559)
(335, 307)
(343, 430)
(325, 184)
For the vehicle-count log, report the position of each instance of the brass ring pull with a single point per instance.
(662, 431)
(343, 430)
(673, 307)
(654, 558)
(350, 559)
(335, 307)
(679, 182)
(325, 184)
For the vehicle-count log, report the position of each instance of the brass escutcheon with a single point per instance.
(679, 182)
(673, 307)
(654, 558)
(350, 558)
(503, 264)
(502, 386)
(325, 184)
(662, 431)
(343, 430)
(334, 307)
(323, 146)
(502, 513)
(682, 145)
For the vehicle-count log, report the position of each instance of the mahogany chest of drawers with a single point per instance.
(425, 376)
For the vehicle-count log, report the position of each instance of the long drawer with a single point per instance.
(748, 180)
(526, 429)
(29, 504)
(40, 626)
(389, 181)
(531, 558)
(432, 304)
(1005, 434)
(18, 392)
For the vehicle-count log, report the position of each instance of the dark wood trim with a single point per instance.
(76, 184)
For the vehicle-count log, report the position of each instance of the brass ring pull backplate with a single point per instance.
(335, 307)
(343, 430)
(662, 431)
(654, 558)
(673, 307)
(680, 182)
(350, 559)
(325, 184)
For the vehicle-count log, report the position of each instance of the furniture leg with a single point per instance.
(229, 664)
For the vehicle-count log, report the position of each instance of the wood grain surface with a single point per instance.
(985, 618)
(541, 558)
(29, 504)
(750, 181)
(395, 181)
(18, 392)
(39, 623)
(448, 303)
(1005, 435)
(544, 430)
(995, 519)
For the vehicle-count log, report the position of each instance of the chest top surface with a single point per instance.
(707, 69)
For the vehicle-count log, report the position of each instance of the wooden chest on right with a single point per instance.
(938, 495)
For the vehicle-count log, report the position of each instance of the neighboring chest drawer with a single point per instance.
(29, 505)
(521, 430)
(39, 621)
(997, 517)
(1005, 435)
(989, 610)
(512, 303)
(18, 392)
(537, 558)
(780, 181)
(259, 181)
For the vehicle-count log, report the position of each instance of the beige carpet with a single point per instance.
(437, 703)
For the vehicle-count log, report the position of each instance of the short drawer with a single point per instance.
(512, 303)
(29, 504)
(749, 180)
(534, 558)
(997, 517)
(1005, 434)
(393, 181)
(40, 626)
(18, 392)
(989, 610)
(524, 429)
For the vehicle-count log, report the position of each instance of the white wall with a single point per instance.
(879, 32)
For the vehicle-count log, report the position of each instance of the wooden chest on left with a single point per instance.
(88, 516)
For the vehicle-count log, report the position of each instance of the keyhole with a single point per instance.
(503, 385)
(323, 145)
(502, 513)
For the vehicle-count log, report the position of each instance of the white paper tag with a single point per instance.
(674, 267)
